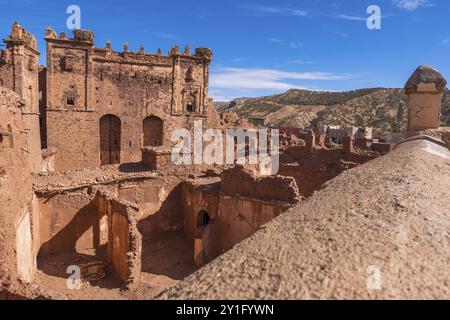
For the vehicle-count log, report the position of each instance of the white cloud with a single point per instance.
(242, 79)
(411, 5)
(219, 97)
(353, 18)
(300, 62)
(276, 40)
(282, 11)
(446, 42)
(166, 36)
(290, 44)
(356, 18)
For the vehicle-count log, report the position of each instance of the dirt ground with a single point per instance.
(166, 260)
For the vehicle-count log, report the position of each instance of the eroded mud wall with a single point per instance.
(18, 232)
(159, 202)
(69, 222)
(312, 169)
(124, 242)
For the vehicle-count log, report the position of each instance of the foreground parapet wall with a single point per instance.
(379, 231)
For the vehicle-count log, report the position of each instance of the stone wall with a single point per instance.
(158, 159)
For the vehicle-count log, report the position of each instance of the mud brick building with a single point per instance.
(104, 106)
(85, 168)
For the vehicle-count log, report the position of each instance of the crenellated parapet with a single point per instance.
(20, 36)
(86, 38)
(204, 53)
(19, 64)
(20, 43)
(80, 36)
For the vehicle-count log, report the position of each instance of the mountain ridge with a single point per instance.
(382, 108)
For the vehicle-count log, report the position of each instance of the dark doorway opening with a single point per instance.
(110, 134)
(203, 220)
(153, 129)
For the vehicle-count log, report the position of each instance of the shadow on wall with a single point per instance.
(133, 167)
(168, 218)
(170, 255)
(75, 231)
(103, 230)
(57, 265)
(166, 250)
(82, 232)
(66, 239)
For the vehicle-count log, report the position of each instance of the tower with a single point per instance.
(19, 70)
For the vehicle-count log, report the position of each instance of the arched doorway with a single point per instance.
(110, 133)
(153, 131)
(205, 242)
(203, 220)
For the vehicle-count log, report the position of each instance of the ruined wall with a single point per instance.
(245, 182)
(124, 242)
(240, 217)
(158, 159)
(85, 83)
(19, 231)
(197, 198)
(92, 218)
(69, 222)
(159, 202)
(218, 215)
(312, 169)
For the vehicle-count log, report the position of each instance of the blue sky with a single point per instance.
(264, 47)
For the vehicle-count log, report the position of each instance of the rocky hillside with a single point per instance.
(376, 107)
